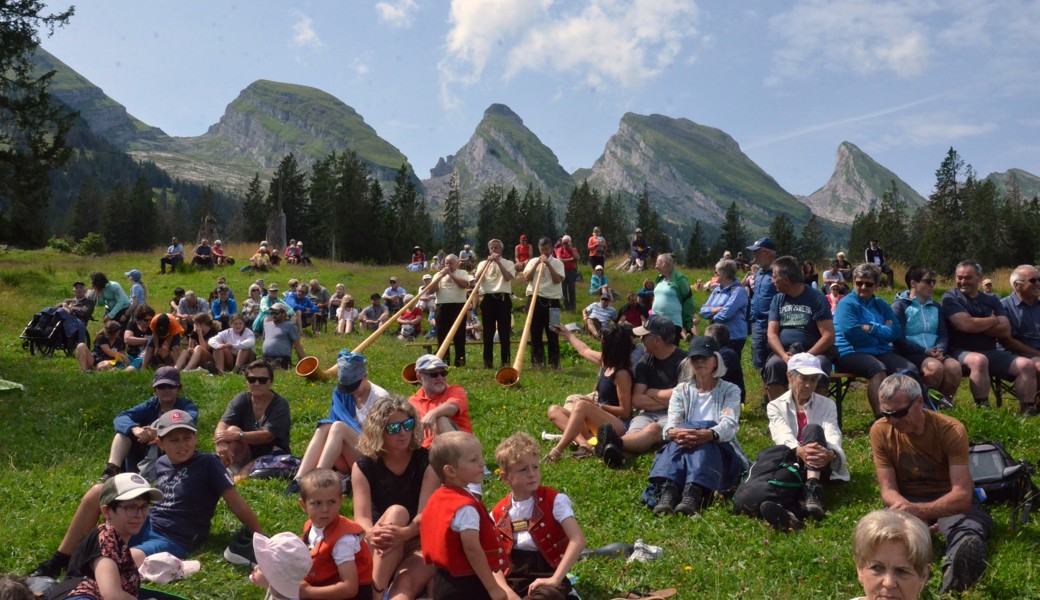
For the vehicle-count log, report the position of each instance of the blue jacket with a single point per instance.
(733, 300)
(232, 307)
(762, 297)
(923, 325)
(147, 412)
(852, 312)
(299, 304)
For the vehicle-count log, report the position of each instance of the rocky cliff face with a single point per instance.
(1028, 184)
(856, 186)
(501, 150)
(690, 171)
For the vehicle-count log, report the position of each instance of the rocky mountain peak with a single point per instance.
(501, 110)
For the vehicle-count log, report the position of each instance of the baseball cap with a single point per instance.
(273, 287)
(703, 345)
(639, 230)
(279, 307)
(598, 268)
(523, 237)
(427, 277)
(134, 274)
(804, 363)
(174, 419)
(762, 243)
(429, 362)
(658, 325)
(127, 486)
(78, 283)
(393, 280)
(167, 376)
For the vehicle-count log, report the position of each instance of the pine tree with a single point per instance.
(614, 224)
(118, 218)
(943, 235)
(696, 250)
(253, 211)
(892, 222)
(324, 208)
(649, 221)
(87, 210)
(287, 193)
(734, 236)
(781, 231)
(583, 210)
(811, 245)
(488, 212)
(452, 214)
(864, 229)
(143, 215)
(32, 127)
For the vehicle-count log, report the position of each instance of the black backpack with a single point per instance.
(999, 478)
(775, 476)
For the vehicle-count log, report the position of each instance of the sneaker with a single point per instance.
(294, 488)
(778, 517)
(240, 549)
(690, 504)
(814, 498)
(667, 499)
(964, 566)
(52, 567)
(111, 470)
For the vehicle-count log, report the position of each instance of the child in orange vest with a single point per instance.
(545, 538)
(458, 535)
(341, 562)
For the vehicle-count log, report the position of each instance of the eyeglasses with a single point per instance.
(135, 509)
(928, 281)
(897, 414)
(260, 380)
(165, 386)
(436, 374)
(1033, 281)
(866, 284)
(395, 427)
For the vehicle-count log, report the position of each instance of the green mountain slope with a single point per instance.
(1028, 184)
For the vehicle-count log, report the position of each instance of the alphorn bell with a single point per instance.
(408, 373)
(308, 366)
(509, 376)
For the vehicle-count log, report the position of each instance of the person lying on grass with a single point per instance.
(191, 482)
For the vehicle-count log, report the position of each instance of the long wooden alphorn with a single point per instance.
(509, 376)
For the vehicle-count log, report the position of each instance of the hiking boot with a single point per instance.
(667, 499)
(613, 447)
(690, 504)
(294, 488)
(778, 517)
(964, 565)
(239, 550)
(111, 470)
(813, 496)
(52, 567)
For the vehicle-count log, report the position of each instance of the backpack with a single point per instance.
(999, 478)
(775, 475)
(46, 332)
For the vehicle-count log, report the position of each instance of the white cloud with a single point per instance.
(601, 41)
(304, 34)
(932, 129)
(398, 13)
(852, 35)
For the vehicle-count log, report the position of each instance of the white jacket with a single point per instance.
(783, 427)
(228, 337)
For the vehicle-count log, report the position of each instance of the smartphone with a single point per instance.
(554, 317)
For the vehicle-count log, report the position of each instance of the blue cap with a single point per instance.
(134, 274)
(352, 369)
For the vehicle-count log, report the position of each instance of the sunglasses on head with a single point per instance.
(395, 427)
(260, 380)
(897, 414)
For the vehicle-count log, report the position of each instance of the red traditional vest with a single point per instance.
(442, 547)
(323, 567)
(545, 530)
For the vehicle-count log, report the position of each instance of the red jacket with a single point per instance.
(442, 547)
(323, 567)
(545, 530)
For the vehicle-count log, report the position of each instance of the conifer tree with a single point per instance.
(696, 249)
(811, 244)
(452, 213)
(253, 214)
(734, 236)
(781, 231)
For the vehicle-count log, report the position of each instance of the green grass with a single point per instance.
(54, 439)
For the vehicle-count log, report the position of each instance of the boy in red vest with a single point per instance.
(341, 565)
(458, 535)
(538, 522)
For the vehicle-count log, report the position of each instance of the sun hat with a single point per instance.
(284, 560)
(164, 567)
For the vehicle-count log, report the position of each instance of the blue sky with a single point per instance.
(902, 79)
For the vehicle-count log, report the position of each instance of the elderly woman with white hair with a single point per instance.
(701, 454)
(728, 304)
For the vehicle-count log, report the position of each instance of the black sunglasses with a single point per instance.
(867, 284)
(897, 414)
(166, 386)
(928, 281)
(1034, 280)
(436, 374)
(395, 427)
(260, 380)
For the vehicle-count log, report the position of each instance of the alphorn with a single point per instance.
(308, 366)
(509, 376)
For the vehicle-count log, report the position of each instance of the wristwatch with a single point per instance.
(714, 435)
(242, 435)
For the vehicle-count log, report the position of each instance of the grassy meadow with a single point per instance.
(54, 439)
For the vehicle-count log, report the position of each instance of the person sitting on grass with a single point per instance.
(391, 482)
(191, 483)
(701, 455)
(374, 315)
(633, 313)
(281, 336)
(223, 306)
(136, 437)
(235, 345)
(410, 320)
(730, 358)
(112, 297)
(199, 354)
(164, 345)
(256, 423)
(334, 442)
(598, 284)
(543, 536)
(266, 303)
(346, 316)
(304, 309)
(174, 256)
(220, 257)
(136, 334)
(189, 306)
(598, 316)
(108, 350)
(442, 407)
(459, 537)
(609, 405)
(202, 255)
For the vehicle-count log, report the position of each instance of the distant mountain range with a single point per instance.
(690, 171)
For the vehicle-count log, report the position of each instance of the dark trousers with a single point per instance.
(813, 433)
(446, 586)
(173, 262)
(956, 528)
(495, 311)
(540, 326)
(570, 300)
(446, 316)
(528, 565)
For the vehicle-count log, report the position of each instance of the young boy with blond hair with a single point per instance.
(458, 536)
(341, 560)
(538, 522)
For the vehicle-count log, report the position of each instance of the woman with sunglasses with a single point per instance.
(924, 340)
(256, 423)
(865, 328)
(392, 481)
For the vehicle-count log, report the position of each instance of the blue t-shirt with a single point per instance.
(982, 305)
(191, 491)
(798, 316)
(1025, 320)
